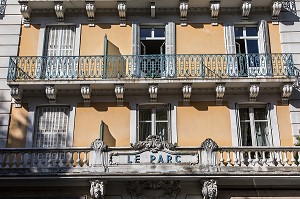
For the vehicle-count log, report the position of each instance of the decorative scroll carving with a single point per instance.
(286, 92)
(153, 93)
(209, 145)
(220, 92)
(253, 92)
(187, 92)
(90, 10)
(59, 11)
(153, 143)
(122, 13)
(157, 189)
(26, 12)
(152, 8)
(98, 189)
(86, 92)
(276, 8)
(119, 91)
(210, 189)
(246, 8)
(16, 93)
(99, 145)
(183, 7)
(215, 8)
(51, 91)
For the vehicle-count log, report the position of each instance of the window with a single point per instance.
(246, 39)
(154, 121)
(51, 127)
(254, 126)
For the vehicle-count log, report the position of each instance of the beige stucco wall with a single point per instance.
(285, 126)
(200, 39)
(274, 38)
(87, 123)
(92, 39)
(18, 127)
(29, 40)
(203, 120)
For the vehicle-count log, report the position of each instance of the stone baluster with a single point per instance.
(71, 160)
(57, 160)
(242, 159)
(228, 159)
(35, 160)
(14, 162)
(7, 162)
(21, 162)
(50, 161)
(64, 160)
(264, 160)
(78, 159)
(271, 159)
(298, 158)
(222, 159)
(236, 158)
(249, 159)
(256, 160)
(285, 159)
(28, 160)
(1, 160)
(293, 160)
(85, 161)
(278, 158)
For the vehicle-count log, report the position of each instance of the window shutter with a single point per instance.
(135, 49)
(170, 38)
(270, 134)
(263, 37)
(231, 59)
(237, 114)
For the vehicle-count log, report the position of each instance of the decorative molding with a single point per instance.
(183, 8)
(99, 145)
(246, 8)
(209, 145)
(153, 93)
(215, 8)
(187, 92)
(86, 93)
(122, 8)
(97, 189)
(119, 91)
(153, 143)
(16, 93)
(220, 92)
(276, 8)
(167, 188)
(210, 189)
(26, 13)
(51, 93)
(152, 8)
(90, 11)
(59, 11)
(286, 92)
(253, 92)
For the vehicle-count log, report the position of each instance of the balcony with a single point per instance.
(171, 67)
(151, 158)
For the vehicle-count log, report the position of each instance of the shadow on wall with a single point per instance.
(289, 12)
(106, 136)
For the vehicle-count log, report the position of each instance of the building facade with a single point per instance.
(150, 99)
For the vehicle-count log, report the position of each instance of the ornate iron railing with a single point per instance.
(205, 66)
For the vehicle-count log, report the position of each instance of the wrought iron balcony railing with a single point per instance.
(204, 66)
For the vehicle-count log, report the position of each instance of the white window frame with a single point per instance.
(252, 122)
(245, 37)
(154, 121)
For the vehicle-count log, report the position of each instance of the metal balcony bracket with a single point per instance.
(122, 8)
(51, 91)
(183, 8)
(16, 93)
(26, 13)
(215, 8)
(59, 11)
(153, 92)
(97, 189)
(187, 92)
(119, 91)
(220, 92)
(86, 93)
(276, 9)
(90, 10)
(253, 92)
(286, 92)
(210, 189)
(246, 8)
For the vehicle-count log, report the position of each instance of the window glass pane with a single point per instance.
(251, 31)
(246, 134)
(244, 114)
(260, 114)
(261, 130)
(145, 115)
(145, 32)
(162, 130)
(159, 32)
(238, 31)
(252, 46)
(144, 130)
(240, 46)
(161, 114)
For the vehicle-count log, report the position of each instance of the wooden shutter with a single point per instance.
(231, 60)
(135, 70)
(170, 38)
(263, 37)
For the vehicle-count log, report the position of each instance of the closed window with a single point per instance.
(154, 121)
(254, 126)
